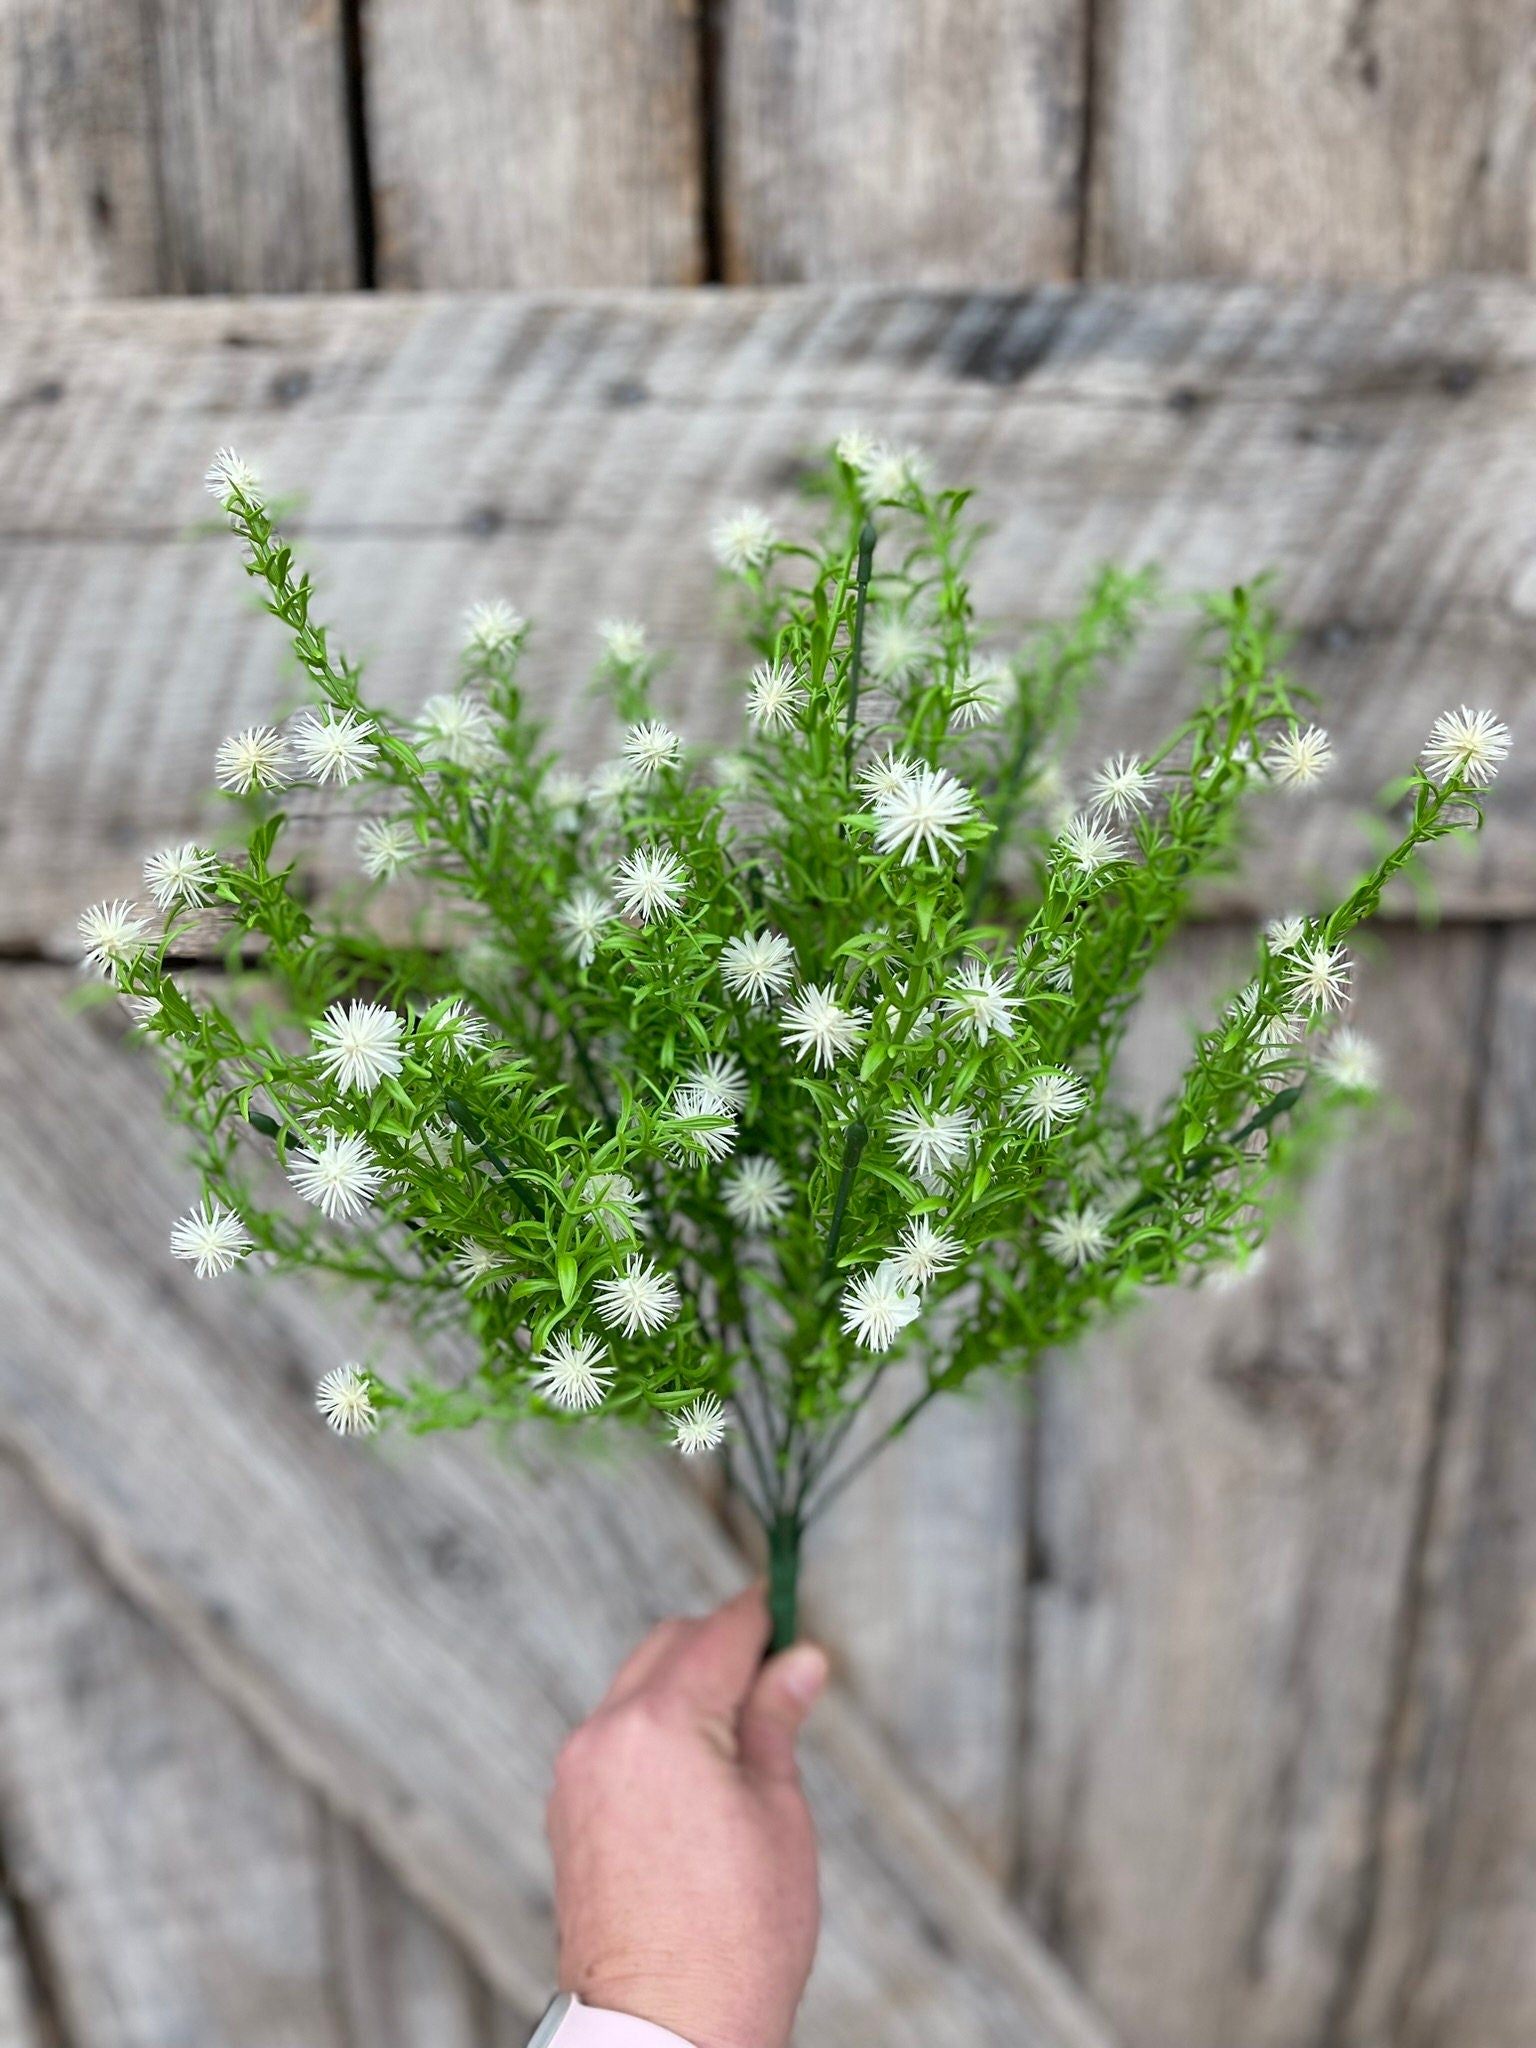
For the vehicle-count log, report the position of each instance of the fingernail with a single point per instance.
(803, 1672)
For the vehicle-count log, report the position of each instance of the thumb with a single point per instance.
(785, 1691)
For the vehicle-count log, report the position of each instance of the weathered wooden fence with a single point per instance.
(1191, 1704)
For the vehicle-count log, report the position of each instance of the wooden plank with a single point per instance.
(20, 2026)
(170, 1870)
(1335, 138)
(938, 143)
(413, 1630)
(571, 453)
(1227, 1523)
(1444, 1951)
(192, 146)
(557, 144)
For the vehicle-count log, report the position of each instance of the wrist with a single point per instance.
(567, 2023)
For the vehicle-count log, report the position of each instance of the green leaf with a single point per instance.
(568, 1273)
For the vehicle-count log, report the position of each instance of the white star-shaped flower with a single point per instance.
(924, 812)
(896, 647)
(1299, 758)
(112, 935)
(885, 776)
(978, 1000)
(744, 541)
(615, 1201)
(212, 1237)
(254, 759)
(922, 1253)
(759, 966)
(776, 697)
(563, 793)
(624, 642)
(700, 1426)
(1285, 934)
(458, 729)
(345, 1398)
(358, 1045)
(756, 1193)
(456, 1030)
(1319, 976)
(609, 787)
(181, 875)
(710, 1127)
(338, 748)
(1466, 744)
(1049, 1099)
(1352, 1062)
(339, 1175)
(891, 475)
(230, 475)
(816, 1023)
(478, 1269)
(580, 920)
(651, 883)
(641, 1298)
(1078, 1237)
(651, 746)
(877, 1307)
(493, 630)
(722, 1076)
(1088, 846)
(1122, 787)
(574, 1373)
(981, 695)
(384, 845)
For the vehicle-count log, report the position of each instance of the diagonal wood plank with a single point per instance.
(556, 144)
(191, 146)
(389, 1621)
(1226, 1532)
(572, 452)
(936, 143)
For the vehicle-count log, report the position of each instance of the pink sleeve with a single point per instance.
(589, 2026)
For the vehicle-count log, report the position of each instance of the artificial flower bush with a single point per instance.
(717, 1085)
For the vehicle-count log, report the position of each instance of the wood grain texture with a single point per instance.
(1378, 450)
(181, 146)
(548, 144)
(935, 143)
(1360, 140)
(1228, 1529)
(170, 1870)
(413, 1628)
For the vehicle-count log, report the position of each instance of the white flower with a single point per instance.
(358, 1044)
(212, 1237)
(650, 746)
(563, 793)
(181, 874)
(493, 629)
(886, 776)
(893, 473)
(815, 1022)
(581, 919)
(1088, 846)
(1078, 1236)
(732, 774)
(1052, 1098)
(924, 811)
(458, 729)
(854, 447)
(981, 696)
(1319, 976)
(456, 1029)
(615, 1201)
(228, 474)
(922, 1253)
(112, 934)
(1122, 787)
(1352, 1061)
(877, 1307)
(1467, 744)
(476, 1265)
(639, 1299)
(724, 1078)
(755, 1193)
(759, 966)
(384, 845)
(574, 1374)
(612, 783)
(1297, 759)
(712, 1127)
(1285, 934)
(339, 1176)
(895, 647)
(978, 999)
(776, 697)
(651, 882)
(335, 749)
(700, 1426)
(931, 1141)
(624, 642)
(254, 759)
(744, 541)
(345, 1398)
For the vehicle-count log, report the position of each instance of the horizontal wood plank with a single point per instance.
(412, 1628)
(571, 453)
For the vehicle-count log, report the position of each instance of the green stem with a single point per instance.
(784, 1533)
(853, 1151)
(861, 601)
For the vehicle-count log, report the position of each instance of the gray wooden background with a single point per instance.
(1191, 1703)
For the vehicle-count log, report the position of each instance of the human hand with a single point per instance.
(685, 1855)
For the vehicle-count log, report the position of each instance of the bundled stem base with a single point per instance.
(784, 1534)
